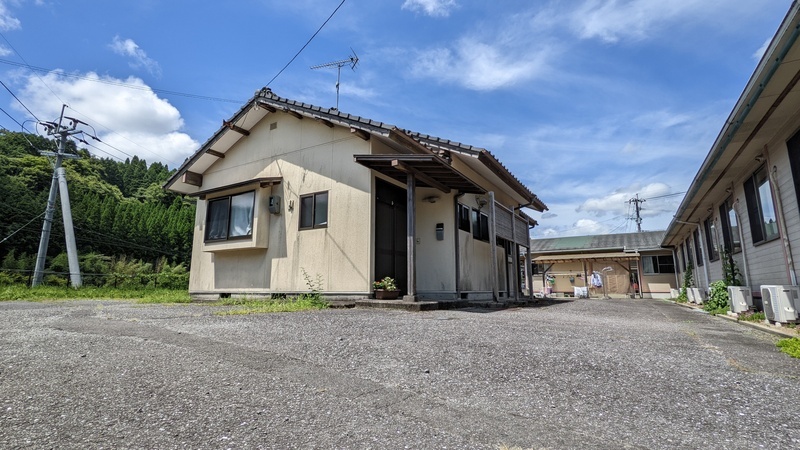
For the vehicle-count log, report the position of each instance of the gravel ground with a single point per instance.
(581, 374)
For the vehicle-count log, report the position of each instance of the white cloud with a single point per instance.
(761, 50)
(7, 21)
(434, 8)
(134, 121)
(482, 66)
(618, 202)
(129, 48)
(613, 20)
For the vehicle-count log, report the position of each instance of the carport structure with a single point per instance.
(628, 264)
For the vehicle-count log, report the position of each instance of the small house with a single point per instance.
(291, 195)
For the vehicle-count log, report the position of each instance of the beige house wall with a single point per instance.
(309, 157)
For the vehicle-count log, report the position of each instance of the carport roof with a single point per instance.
(618, 256)
(429, 171)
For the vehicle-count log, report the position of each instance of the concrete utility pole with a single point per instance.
(59, 178)
(637, 201)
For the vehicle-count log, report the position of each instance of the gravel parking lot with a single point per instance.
(580, 374)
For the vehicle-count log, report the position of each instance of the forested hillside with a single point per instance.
(119, 210)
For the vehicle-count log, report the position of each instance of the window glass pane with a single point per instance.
(476, 224)
(306, 211)
(321, 209)
(217, 219)
(733, 228)
(767, 209)
(242, 214)
(484, 227)
(647, 264)
(666, 264)
(463, 217)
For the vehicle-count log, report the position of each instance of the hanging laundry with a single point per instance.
(597, 280)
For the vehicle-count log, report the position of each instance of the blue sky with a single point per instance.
(588, 102)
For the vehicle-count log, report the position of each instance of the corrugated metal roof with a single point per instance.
(645, 240)
(608, 256)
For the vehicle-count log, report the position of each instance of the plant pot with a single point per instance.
(382, 294)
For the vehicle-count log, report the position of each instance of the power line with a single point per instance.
(20, 101)
(306, 44)
(667, 195)
(26, 63)
(21, 228)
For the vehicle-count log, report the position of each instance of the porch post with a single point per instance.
(515, 250)
(411, 233)
(493, 250)
(529, 270)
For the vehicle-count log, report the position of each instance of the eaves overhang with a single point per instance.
(769, 97)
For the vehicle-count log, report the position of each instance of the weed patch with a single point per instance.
(754, 316)
(790, 346)
(51, 293)
(254, 306)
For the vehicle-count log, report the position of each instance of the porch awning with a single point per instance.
(429, 171)
(615, 256)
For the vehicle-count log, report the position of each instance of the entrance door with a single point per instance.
(391, 253)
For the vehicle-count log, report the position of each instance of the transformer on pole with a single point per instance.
(59, 179)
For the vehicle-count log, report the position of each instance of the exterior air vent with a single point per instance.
(780, 302)
(741, 298)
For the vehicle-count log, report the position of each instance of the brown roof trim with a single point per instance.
(619, 256)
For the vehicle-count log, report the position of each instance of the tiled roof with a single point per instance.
(268, 98)
(646, 240)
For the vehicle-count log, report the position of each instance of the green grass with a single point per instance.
(752, 316)
(790, 346)
(50, 293)
(259, 306)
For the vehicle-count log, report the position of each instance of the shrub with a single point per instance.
(718, 302)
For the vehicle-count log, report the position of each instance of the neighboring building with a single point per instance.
(625, 264)
(287, 189)
(743, 201)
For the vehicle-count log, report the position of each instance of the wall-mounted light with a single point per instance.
(481, 202)
(760, 158)
(431, 198)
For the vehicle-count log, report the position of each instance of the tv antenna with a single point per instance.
(351, 61)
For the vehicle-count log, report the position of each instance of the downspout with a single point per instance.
(787, 248)
(741, 243)
(675, 264)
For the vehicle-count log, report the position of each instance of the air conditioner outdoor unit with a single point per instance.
(779, 302)
(741, 298)
(698, 296)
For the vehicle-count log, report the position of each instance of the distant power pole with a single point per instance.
(638, 201)
(59, 180)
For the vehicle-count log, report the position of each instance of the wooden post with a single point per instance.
(457, 250)
(411, 233)
(493, 250)
(529, 270)
(515, 251)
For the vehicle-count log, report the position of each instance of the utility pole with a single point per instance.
(59, 179)
(638, 201)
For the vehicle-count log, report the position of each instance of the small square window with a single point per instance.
(314, 211)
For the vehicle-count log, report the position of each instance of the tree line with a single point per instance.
(119, 209)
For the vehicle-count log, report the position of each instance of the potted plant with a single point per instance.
(385, 289)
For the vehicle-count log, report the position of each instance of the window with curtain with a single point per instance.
(760, 207)
(314, 211)
(230, 217)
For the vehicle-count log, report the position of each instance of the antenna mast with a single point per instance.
(351, 61)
